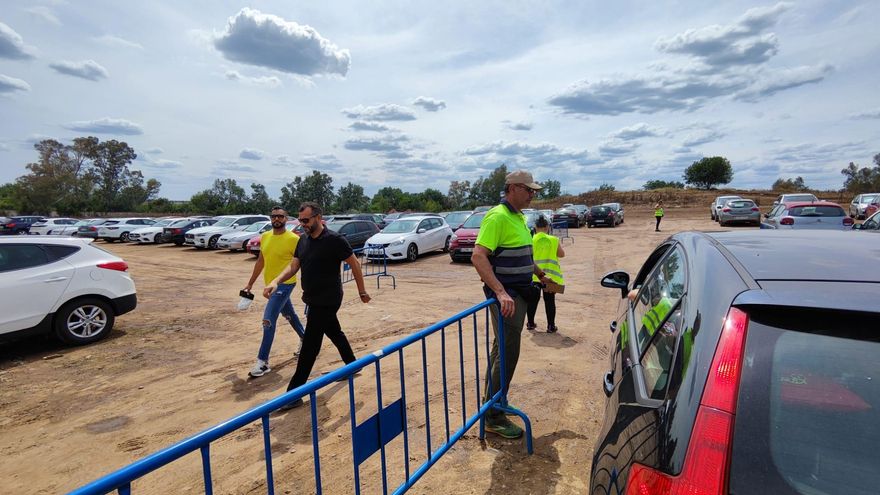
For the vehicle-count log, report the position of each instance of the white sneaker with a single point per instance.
(259, 369)
(299, 349)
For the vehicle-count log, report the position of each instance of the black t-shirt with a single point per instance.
(319, 261)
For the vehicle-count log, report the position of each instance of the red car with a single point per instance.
(461, 245)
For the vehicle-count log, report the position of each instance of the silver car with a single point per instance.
(716, 205)
(234, 241)
(822, 215)
(860, 202)
(739, 211)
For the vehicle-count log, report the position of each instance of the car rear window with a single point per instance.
(816, 211)
(808, 412)
(600, 209)
(740, 204)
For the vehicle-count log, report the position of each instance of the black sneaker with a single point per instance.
(291, 405)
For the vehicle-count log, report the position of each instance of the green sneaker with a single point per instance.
(504, 429)
(513, 408)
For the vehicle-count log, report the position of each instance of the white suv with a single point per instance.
(61, 285)
(153, 233)
(118, 229)
(207, 237)
(51, 226)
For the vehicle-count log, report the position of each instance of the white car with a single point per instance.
(118, 229)
(408, 237)
(71, 230)
(61, 285)
(239, 239)
(51, 226)
(207, 237)
(153, 233)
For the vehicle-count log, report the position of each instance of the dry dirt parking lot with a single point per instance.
(178, 364)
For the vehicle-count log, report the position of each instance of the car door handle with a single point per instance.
(55, 279)
(608, 383)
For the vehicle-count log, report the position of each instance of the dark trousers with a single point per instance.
(658, 223)
(549, 307)
(513, 326)
(321, 320)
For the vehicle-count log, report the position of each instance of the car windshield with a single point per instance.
(164, 223)
(256, 226)
(600, 209)
(816, 211)
(565, 210)
(456, 218)
(800, 197)
(870, 198)
(473, 221)
(82, 223)
(225, 222)
(335, 226)
(180, 223)
(400, 226)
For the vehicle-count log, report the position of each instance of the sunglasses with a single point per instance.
(528, 189)
(306, 220)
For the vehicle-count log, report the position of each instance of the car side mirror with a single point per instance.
(421, 231)
(618, 279)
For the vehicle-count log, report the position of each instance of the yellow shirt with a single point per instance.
(277, 251)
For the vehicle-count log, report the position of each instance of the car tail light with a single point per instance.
(119, 266)
(10, 225)
(177, 231)
(706, 464)
(786, 221)
(756, 209)
(93, 229)
(847, 221)
(725, 209)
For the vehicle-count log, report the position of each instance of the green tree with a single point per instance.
(59, 181)
(317, 187)
(789, 185)
(431, 200)
(225, 197)
(387, 199)
(709, 172)
(109, 163)
(488, 191)
(551, 189)
(605, 187)
(861, 180)
(661, 184)
(351, 199)
(457, 197)
(259, 200)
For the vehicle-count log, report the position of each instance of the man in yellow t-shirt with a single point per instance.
(276, 251)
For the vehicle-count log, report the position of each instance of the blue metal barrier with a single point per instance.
(375, 267)
(560, 230)
(369, 436)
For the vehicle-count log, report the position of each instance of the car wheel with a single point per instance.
(108, 240)
(721, 223)
(244, 246)
(412, 252)
(124, 237)
(446, 245)
(589, 225)
(83, 321)
(22, 232)
(178, 244)
(212, 242)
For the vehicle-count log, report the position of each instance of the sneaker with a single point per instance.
(299, 349)
(512, 408)
(531, 326)
(259, 369)
(504, 429)
(552, 329)
(291, 405)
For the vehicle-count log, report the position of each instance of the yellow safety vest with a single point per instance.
(544, 250)
(658, 212)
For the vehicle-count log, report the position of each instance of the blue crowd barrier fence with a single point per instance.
(560, 230)
(375, 267)
(393, 419)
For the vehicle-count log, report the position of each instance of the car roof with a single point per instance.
(44, 239)
(792, 204)
(814, 255)
(420, 217)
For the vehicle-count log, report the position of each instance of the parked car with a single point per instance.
(19, 225)
(790, 198)
(408, 237)
(602, 215)
(739, 211)
(293, 225)
(872, 207)
(811, 215)
(618, 211)
(379, 220)
(461, 246)
(49, 226)
(746, 364)
(207, 237)
(118, 229)
(239, 239)
(70, 230)
(391, 217)
(860, 203)
(356, 232)
(568, 215)
(718, 203)
(872, 223)
(582, 211)
(481, 209)
(456, 219)
(88, 228)
(154, 234)
(176, 232)
(61, 285)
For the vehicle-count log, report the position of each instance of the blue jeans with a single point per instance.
(279, 303)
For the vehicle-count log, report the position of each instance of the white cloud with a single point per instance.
(701, 137)
(251, 154)
(518, 126)
(382, 112)
(429, 104)
(637, 131)
(543, 153)
(384, 143)
(44, 13)
(614, 148)
(85, 69)
(266, 40)
(11, 84)
(106, 125)
(164, 164)
(12, 45)
(262, 81)
(364, 125)
(866, 115)
(154, 151)
(116, 41)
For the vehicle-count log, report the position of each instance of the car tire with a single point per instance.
(108, 240)
(589, 225)
(123, 237)
(83, 321)
(23, 232)
(178, 244)
(212, 242)
(446, 244)
(412, 252)
(244, 246)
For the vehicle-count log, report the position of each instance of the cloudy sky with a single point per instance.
(415, 94)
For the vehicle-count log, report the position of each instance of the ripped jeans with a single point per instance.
(279, 303)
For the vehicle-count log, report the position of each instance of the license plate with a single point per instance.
(467, 250)
(598, 221)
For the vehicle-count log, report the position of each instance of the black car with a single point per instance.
(356, 232)
(176, 232)
(602, 215)
(746, 363)
(568, 215)
(19, 225)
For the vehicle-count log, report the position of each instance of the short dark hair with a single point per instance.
(541, 222)
(274, 208)
(315, 207)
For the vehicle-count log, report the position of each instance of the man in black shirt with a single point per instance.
(319, 255)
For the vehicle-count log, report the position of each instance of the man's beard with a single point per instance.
(277, 225)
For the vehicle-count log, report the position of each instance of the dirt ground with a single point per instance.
(178, 364)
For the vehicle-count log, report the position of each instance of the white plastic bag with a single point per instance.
(245, 300)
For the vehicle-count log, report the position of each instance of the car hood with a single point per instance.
(465, 233)
(382, 238)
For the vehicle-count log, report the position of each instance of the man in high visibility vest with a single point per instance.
(547, 251)
(658, 214)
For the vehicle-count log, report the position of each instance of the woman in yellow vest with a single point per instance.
(658, 214)
(546, 251)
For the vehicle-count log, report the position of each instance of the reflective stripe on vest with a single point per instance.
(545, 257)
(513, 266)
